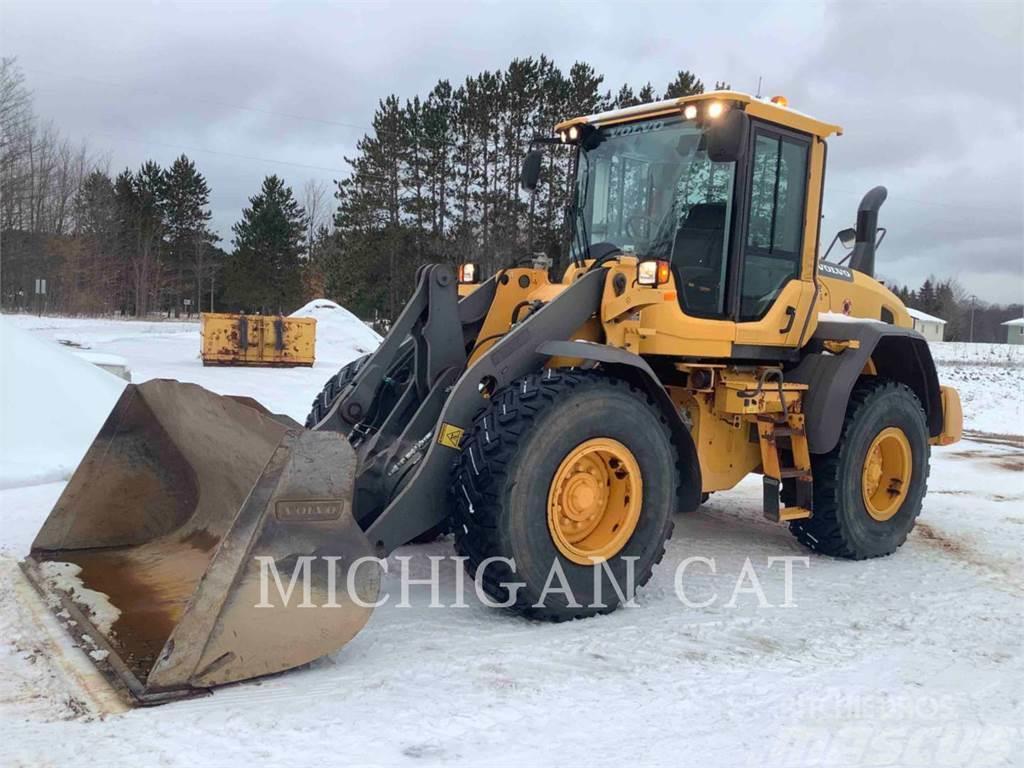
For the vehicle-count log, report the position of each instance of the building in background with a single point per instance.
(929, 326)
(1015, 331)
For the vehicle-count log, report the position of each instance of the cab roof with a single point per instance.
(755, 107)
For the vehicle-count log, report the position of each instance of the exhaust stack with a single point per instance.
(863, 257)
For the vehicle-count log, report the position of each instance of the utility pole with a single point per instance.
(974, 301)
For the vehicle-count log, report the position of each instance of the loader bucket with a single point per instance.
(190, 513)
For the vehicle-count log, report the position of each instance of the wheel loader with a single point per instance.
(544, 417)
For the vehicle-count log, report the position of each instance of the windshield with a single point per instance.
(650, 189)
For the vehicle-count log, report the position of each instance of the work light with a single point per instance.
(653, 272)
(469, 274)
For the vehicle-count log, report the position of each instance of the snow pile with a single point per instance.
(340, 335)
(52, 404)
(114, 364)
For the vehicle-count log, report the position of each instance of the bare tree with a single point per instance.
(316, 200)
(15, 125)
(41, 175)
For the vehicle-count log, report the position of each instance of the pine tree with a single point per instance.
(950, 301)
(685, 84)
(140, 210)
(438, 179)
(925, 300)
(625, 97)
(264, 272)
(646, 94)
(96, 225)
(189, 238)
(584, 96)
(370, 206)
(439, 140)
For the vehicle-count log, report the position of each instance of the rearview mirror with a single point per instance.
(847, 237)
(530, 174)
(726, 137)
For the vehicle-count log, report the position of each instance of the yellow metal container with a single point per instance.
(257, 340)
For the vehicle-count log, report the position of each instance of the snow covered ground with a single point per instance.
(990, 379)
(170, 350)
(914, 659)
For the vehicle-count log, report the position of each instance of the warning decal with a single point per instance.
(450, 435)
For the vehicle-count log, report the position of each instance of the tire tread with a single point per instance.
(481, 477)
(825, 531)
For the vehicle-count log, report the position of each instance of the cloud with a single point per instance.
(929, 94)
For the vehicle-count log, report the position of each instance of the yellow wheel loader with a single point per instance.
(694, 337)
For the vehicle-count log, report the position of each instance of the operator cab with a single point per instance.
(717, 185)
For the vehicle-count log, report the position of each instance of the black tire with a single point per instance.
(332, 388)
(505, 470)
(841, 525)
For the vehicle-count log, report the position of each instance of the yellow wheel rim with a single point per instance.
(885, 479)
(594, 501)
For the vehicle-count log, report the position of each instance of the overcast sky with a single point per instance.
(931, 96)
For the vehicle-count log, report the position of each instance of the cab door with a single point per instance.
(773, 288)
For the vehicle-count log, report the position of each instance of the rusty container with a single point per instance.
(270, 340)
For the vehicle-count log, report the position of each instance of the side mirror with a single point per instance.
(726, 137)
(530, 174)
(847, 237)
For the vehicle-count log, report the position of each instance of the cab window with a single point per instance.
(650, 189)
(775, 226)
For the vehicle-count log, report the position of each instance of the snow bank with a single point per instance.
(992, 395)
(52, 404)
(340, 335)
(985, 353)
(990, 380)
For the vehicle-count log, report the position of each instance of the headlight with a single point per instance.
(574, 133)
(653, 272)
(690, 111)
(715, 109)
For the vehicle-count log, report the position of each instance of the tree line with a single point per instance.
(435, 179)
(137, 242)
(132, 243)
(967, 317)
